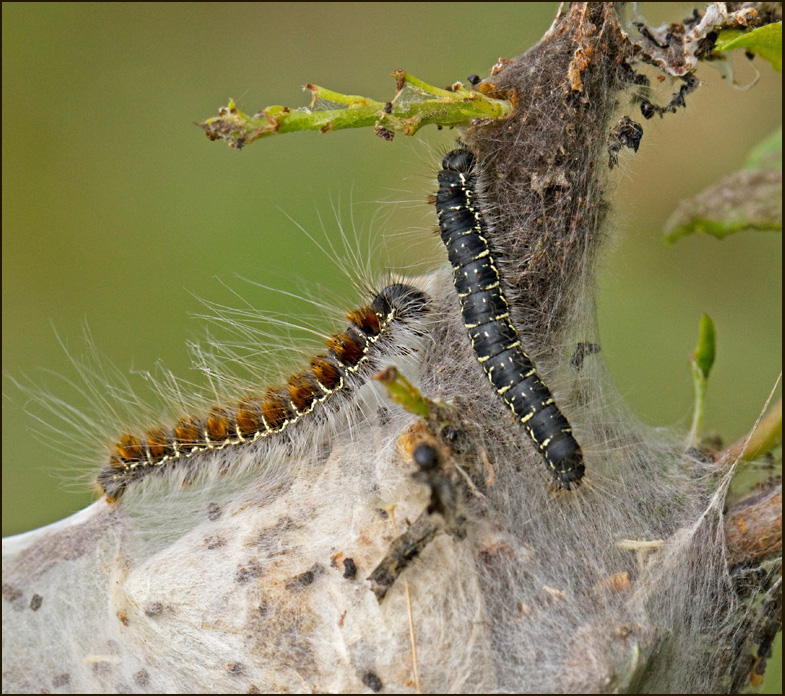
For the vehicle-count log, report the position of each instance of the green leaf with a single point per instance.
(767, 154)
(705, 352)
(763, 41)
(745, 200)
(750, 199)
(701, 363)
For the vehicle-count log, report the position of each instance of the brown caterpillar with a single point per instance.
(348, 362)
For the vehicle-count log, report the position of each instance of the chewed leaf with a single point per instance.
(402, 391)
(745, 200)
(763, 41)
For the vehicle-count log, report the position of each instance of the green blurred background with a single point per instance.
(118, 212)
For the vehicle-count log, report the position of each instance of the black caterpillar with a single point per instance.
(487, 318)
(350, 359)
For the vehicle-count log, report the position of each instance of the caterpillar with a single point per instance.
(348, 361)
(486, 317)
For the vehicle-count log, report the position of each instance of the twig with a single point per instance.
(424, 105)
(753, 526)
